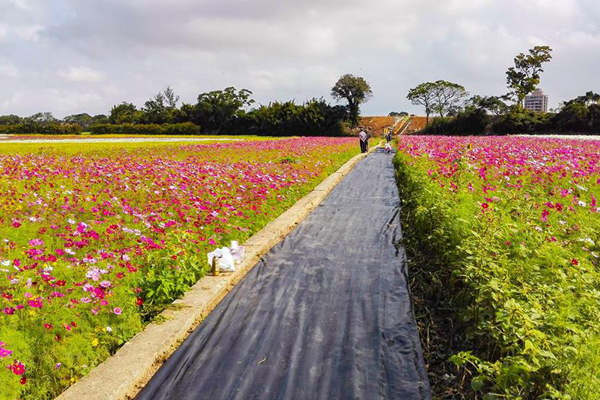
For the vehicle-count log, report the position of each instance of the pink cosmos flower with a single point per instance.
(36, 242)
(117, 311)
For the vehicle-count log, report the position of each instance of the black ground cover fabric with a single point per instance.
(326, 314)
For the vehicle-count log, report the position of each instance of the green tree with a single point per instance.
(580, 114)
(441, 96)
(423, 95)
(588, 99)
(10, 119)
(124, 113)
(162, 108)
(100, 119)
(492, 104)
(355, 90)
(84, 120)
(218, 110)
(41, 118)
(448, 97)
(523, 78)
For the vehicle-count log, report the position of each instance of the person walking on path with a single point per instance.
(388, 135)
(363, 138)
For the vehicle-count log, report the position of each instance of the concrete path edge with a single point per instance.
(124, 374)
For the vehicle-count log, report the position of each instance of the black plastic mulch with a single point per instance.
(326, 314)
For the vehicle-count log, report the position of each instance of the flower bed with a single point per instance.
(508, 232)
(95, 243)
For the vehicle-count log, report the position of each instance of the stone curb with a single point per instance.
(123, 375)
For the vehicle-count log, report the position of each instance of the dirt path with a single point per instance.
(325, 315)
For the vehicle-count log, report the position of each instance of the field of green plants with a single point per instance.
(96, 240)
(504, 233)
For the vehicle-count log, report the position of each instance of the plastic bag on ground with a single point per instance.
(225, 259)
(237, 251)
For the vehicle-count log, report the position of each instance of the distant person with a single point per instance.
(388, 135)
(363, 139)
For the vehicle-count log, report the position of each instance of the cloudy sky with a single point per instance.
(72, 56)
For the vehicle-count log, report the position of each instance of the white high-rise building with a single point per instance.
(537, 101)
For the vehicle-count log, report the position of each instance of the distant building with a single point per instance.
(537, 101)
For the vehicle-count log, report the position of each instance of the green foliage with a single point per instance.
(124, 113)
(41, 118)
(45, 129)
(219, 111)
(491, 104)
(162, 108)
(186, 128)
(524, 77)
(313, 118)
(522, 121)
(581, 114)
(524, 317)
(355, 90)
(10, 119)
(470, 121)
(440, 96)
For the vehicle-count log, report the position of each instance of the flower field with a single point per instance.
(96, 242)
(504, 233)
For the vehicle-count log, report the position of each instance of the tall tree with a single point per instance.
(355, 90)
(423, 95)
(448, 97)
(41, 118)
(216, 111)
(492, 104)
(162, 108)
(440, 96)
(10, 119)
(124, 113)
(523, 78)
(84, 120)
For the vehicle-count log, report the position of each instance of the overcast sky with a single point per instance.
(72, 56)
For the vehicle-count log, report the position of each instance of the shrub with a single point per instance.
(186, 128)
(43, 129)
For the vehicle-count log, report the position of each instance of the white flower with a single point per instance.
(6, 263)
(561, 222)
(71, 221)
(108, 329)
(582, 203)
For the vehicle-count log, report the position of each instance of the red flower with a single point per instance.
(574, 262)
(139, 301)
(17, 368)
(484, 205)
(23, 380)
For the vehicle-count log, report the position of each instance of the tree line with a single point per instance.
(227, 111)
(455, 113)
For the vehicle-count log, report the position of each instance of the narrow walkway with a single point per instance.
(326, 314)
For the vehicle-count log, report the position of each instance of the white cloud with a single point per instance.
(9, 71)
(3, 33)
(282, 49)
(83, 74)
